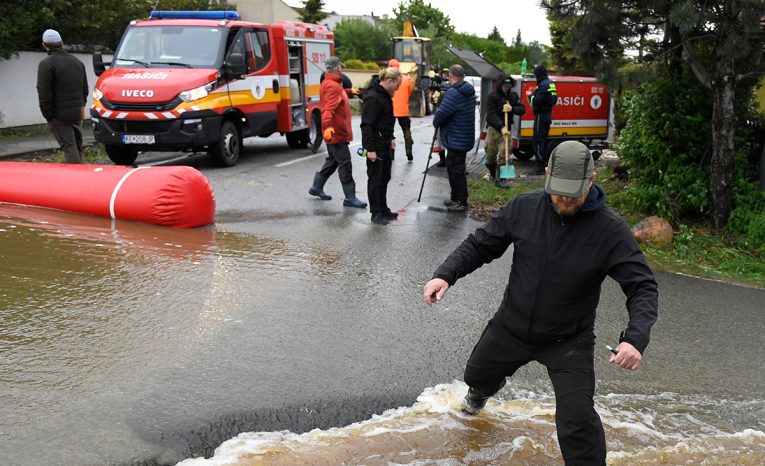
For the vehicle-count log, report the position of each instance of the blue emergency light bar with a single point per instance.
(165, 14)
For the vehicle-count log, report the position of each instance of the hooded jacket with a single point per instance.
(335, 109)
(559, 264)
(546, 95)
(495, 117)
(377, 122)
(62, 86)
(456, 117)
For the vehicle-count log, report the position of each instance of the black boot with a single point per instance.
(408, 142)
(492, 167)
(442, 160)
(380, 219)
(318, 187)
(350, 196)
(474, 402)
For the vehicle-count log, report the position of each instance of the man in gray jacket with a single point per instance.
(565, 242)
(62, 88)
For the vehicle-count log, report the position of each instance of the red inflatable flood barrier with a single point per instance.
(172, 196)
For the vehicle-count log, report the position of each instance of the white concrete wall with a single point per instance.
(265, 11)
(18, 88)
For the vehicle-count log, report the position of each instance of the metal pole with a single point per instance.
(430, 155)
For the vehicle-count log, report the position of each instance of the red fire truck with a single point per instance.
(582, 113)
(201, 81)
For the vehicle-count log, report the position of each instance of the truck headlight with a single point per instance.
(97, 94)
(196, 93)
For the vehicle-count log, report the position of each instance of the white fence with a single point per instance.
(18, 88)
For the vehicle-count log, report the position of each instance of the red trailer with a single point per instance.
(582, 114)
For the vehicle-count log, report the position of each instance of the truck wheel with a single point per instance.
(225, 152)
(314, 133)
(297, 139)
(523, 153)
(121, 155)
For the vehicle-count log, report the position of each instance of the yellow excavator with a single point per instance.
(413, 54)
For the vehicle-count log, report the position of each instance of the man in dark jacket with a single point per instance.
(565, 242)
(336, 121)
(62, 88)
(495, 117)
(377, 123)
(455, 119)
(542, 101)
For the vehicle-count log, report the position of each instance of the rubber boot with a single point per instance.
(350, 196)
(492, 167)
(441, 161)
(408, 143)
(318, 187)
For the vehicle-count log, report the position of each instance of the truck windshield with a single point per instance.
(163, 46)
(407, 50)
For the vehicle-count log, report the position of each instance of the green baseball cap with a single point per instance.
(569, 169)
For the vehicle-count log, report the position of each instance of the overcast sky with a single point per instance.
(472, 16)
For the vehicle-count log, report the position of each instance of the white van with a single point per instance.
(476, 82)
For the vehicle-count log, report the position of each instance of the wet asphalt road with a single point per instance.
(381, 345)
(337, 330)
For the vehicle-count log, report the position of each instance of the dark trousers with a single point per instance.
(542, 124)
(338, 158)
(455, 167)
(570, 366)
(406, 127)
(68, 134)
(377, 185)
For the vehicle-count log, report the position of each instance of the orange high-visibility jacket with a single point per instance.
(401, 98)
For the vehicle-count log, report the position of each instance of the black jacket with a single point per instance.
(62, 86)
(559, 264)
(546, 95)
(495, 117)
(377, 121)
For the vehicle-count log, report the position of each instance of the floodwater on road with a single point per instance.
(135, 344)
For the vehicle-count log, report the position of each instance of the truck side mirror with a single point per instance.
(99, 66)
(235, 65)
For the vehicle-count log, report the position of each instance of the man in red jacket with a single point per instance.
(336, 121)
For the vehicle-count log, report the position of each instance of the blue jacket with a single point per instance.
(456, 117)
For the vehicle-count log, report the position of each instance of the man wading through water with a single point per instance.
(566, 241)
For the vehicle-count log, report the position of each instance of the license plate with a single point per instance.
(137, 139)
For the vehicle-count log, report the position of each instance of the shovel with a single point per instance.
(507, 171)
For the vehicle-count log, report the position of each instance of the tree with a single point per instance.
(562, 54)
(422, 16)
(312, 11)
(357, 38)
(494, 51)
(495, 35)
(518, 40)
(721, 41)
(74, 19)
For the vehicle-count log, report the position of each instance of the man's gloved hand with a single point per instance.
(505, 131)
(507, 108)
(328, 133)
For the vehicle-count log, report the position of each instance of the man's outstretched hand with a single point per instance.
(434, 291)
(628, 357)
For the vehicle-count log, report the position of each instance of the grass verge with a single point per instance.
(695, 250)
